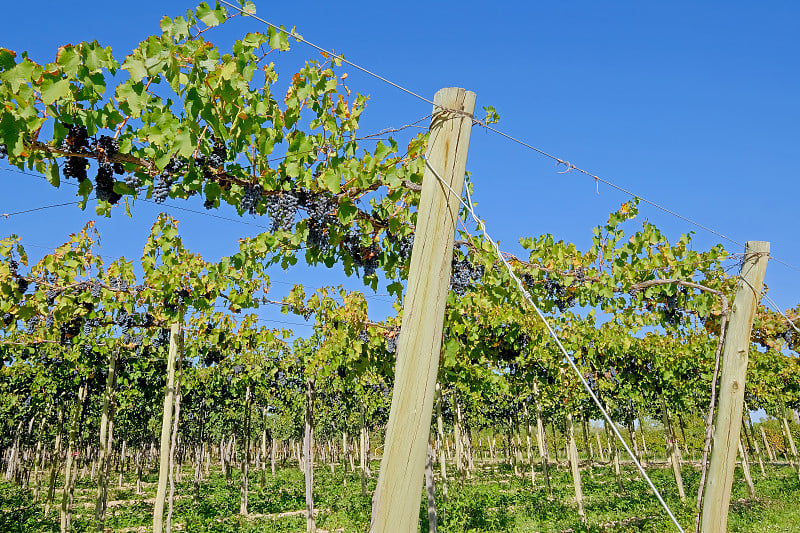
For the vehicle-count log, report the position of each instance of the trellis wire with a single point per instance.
(482, 227)
(339, 57)
(773, 304)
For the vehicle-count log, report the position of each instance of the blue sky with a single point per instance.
(691, 105)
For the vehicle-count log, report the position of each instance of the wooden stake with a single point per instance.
(105, 445)
(732, 384)
(673, 453)
(397, 495)
(572, 455)
(166, 426)
(751, 489)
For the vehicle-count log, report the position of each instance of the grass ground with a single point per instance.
(492, 500)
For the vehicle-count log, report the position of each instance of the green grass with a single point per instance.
(493, 500)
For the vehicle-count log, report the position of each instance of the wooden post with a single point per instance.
(440, 433)
(673, 453)
(166, 426)
(751, 488)
(430, 491)
(732, 384)
(105, 445)
(572, 455)
(397, 495)
(308, 457)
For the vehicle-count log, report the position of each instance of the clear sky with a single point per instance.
(692, 105)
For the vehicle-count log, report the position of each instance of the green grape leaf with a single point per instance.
(55, 91)
(53, 174)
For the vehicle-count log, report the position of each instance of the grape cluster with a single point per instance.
(77, 138)
(162, 339)
(49, 321)
(529, 281)
(89, 325)
(404, 244)
(182, 295)
(69, 330)
(464, 273)
(320, 208)
(672, 301)
(136, 340)
(788, 336)
(363, 256)
(211, 357)
(282, 209)
(77, 141)
(321, 211)
(672, 314)
(318, 238)
(75, 167)
(95, 289)
(250, 198)
(125, 322)
(22, 285)
(118, 284)
(554, 289)
(3, 151)
(105, 148)
(51, 296)
(163, 183)
(558, 293)
(133, 182)
(32, 323)
(391, 344)
(363, 336)
(104, 184)
(218, 154)
(161, 189)
(176, 165)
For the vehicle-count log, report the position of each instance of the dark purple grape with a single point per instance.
(161, 189)
(105, 148)
(104, 184)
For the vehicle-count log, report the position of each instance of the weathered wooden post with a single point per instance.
(166, 426)
(731, 398)
(397, 496)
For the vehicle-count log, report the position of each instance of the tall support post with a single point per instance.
(175, 341)
(104, 449)
(732, 383)
(396, 501)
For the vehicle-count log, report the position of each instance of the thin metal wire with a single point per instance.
(784, 263)
(6, 215)
(569, 166)
(339, 57)
(526, 295)
(772, 303)
(778, 309)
